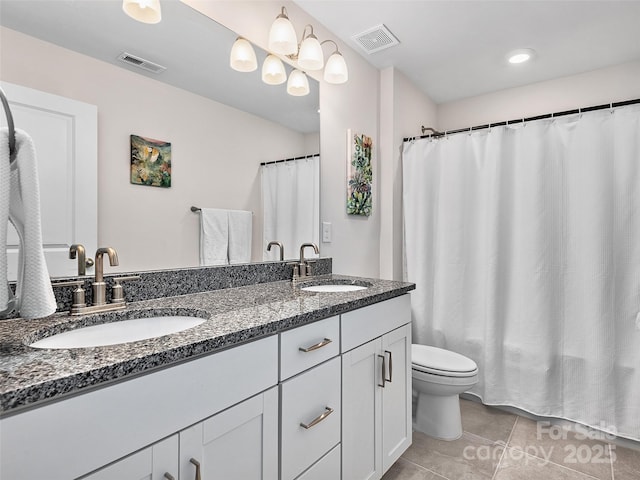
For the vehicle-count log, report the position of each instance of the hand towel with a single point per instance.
(240, 226)
(34, 294)
(6, 297)
(214, 236)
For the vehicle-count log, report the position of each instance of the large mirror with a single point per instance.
(221, 124)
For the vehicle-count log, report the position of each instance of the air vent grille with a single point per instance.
(138, 62)
(375, 39)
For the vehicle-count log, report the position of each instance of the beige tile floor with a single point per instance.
(497, 445)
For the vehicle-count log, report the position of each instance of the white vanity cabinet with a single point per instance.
(376, 388)
(310, 401)
(157, 462)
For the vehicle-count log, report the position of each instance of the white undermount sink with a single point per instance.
(123, 331)
(333, 288)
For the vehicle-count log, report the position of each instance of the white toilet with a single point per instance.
(439, 376)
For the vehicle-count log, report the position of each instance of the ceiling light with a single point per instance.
(145, 11)
(298, 84)
(243, 57)
(282, 36)
(520, 56)
(273, 72)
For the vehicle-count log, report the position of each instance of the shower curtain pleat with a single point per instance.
(524, 246)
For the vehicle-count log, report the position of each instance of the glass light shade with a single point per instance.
(310, 56)
(145, 11)
(282, 36)
(243, 57)
(336, 69)
(273, 72)
(298, 84)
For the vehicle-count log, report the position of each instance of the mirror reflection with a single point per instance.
(221, 124)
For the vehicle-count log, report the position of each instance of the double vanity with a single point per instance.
(273, 380)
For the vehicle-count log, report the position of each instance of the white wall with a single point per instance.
(356, 245)
(612, 84)
(213, 164)
(403, 109)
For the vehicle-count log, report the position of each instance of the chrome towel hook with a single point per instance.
(12, 131)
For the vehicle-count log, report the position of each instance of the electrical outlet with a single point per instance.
(326, 232)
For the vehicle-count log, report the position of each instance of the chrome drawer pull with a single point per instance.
(324, 342)
(197, 464)
(390, 367)
(327, 411)
(384, 370)
(168, 476)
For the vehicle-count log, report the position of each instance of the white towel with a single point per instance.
(34, 295)
(214, 237)
(240, 225)
(6, 298)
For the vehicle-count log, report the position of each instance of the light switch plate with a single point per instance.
(326, 232)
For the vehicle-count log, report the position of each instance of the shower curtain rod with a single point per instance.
(290, 159)
(436, 134)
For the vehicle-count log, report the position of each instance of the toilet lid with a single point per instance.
(439, 361)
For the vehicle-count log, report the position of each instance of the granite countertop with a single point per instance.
(30, 376)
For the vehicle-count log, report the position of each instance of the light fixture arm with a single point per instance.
(337, 50)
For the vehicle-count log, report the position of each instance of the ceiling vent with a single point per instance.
(140, 63)
(375, 39)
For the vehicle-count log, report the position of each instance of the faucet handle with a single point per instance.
(78, 292)
(117, 292)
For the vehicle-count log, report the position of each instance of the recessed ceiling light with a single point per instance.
(520, 56)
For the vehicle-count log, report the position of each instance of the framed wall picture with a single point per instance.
(150, 162)
(359, 174)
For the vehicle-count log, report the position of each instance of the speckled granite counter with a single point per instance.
(29, 376)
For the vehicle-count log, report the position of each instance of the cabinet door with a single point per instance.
(361, 418)
(396, 396)
(240, 443)
(157, 462)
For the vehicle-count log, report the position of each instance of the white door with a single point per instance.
(361, 418)
(396, 396)
(240, 443)
(157, 462)
(64, 133)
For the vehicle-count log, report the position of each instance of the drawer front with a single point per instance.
(366, 323)
(327, 468)
(304, 399)
(308, 346)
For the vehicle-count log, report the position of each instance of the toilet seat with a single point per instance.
(437, 361)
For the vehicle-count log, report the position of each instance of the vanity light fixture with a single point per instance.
(520, 56)
(273, 72)
(243, 56)
(145, 11)
(298, 84)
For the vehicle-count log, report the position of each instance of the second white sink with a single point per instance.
(333, 287)
(114, 333)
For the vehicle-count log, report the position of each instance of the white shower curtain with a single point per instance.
(524, 244)
(291, 204)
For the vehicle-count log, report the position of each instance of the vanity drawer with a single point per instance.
(308, 346)
(304, 400)
(328, 467)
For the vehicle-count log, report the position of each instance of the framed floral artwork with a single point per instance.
(359, 174)
(150, 162)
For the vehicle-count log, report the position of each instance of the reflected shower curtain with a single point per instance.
(291, 204)
(524, 244)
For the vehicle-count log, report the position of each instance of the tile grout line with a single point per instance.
(424, 468)
(611, 454)
(506, 446)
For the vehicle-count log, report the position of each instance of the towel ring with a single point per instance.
(12, 131)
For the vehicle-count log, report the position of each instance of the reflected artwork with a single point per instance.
(150, 162)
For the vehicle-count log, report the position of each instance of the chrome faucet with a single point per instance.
(83, 261)
(303, 268)
(99, 287)
(277, 244)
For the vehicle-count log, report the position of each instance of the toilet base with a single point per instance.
(438, 416)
